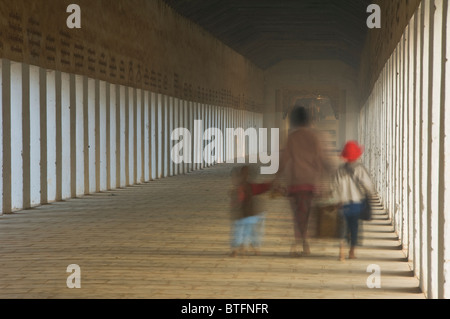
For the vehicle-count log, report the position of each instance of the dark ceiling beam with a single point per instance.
(266, 31)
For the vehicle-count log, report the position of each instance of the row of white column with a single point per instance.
(66, 135)
(405, 126)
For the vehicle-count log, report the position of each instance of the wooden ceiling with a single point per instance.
(269, 31)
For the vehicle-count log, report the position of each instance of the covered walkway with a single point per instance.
(119, 123)
(170, 239)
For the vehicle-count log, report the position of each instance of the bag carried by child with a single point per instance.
(366, 213)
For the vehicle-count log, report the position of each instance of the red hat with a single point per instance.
(352, 151)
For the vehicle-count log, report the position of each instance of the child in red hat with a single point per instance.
(351, 185)
(352, 151)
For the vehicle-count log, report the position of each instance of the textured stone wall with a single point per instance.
(138, 43)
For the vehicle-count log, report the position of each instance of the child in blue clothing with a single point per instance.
(247, 224)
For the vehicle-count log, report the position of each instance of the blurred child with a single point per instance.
(247, 221)
(351, 185)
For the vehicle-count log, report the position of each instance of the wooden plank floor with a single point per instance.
(169, 239)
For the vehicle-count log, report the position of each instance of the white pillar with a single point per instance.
(102, 167)
(389, 108)
(220, 125)
(417, 144)
(446, 160)
(191, 112)
(434, 149)
(25, 116)
(230, 124)
(123, 136)
(79, 138)
(201, 116)
(167, 121)
(164, 136)
(405, 143)
(130, 138)
(154, 135)
(175, 124)
(402, 146)
(182, 123)
(170, 119)
(73, 137)
(128, 105)
(398, 195)
(411, 140)
(393, 110)
(113, 133)
(51, 136)
(208, 125)
(146, 138)
(425, 71)
(65, 136)
(143, 147)
(138, 137)
(160, 132)
(43, 134)
(186, 121)
(196, 146)
(91, 129)
(16, 137)
(35, 136)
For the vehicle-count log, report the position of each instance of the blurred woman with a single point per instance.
(303, 162)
